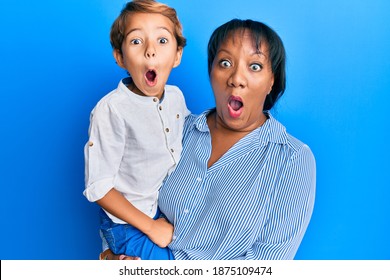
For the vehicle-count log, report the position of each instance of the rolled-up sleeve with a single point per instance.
(103, 151)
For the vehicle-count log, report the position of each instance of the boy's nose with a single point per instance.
(150, 54)
(150, 51)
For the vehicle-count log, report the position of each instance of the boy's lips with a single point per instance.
(235, 106)
(151, 77)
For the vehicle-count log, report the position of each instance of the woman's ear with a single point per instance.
(179, 54)
(118, 57)
(272, 84)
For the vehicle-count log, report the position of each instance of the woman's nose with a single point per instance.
(237, 78)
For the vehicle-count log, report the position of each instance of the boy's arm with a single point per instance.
(159, 231)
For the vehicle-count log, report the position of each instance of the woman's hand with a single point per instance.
(161, 232)
(109, 255)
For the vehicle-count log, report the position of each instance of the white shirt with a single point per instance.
(134, 143)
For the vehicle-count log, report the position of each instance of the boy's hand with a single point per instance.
(109, 255)
(161, 232)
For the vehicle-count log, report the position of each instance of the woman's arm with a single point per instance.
(290, 211)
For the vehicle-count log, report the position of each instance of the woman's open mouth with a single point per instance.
(235, 106)
(151, 77)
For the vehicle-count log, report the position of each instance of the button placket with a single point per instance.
(166, 126)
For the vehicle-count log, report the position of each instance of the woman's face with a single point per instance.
(241, 77)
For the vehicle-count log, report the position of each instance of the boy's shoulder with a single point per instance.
(109, 102)
(172, 89)
(113, 97)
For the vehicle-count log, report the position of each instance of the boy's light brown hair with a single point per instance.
(117, 34)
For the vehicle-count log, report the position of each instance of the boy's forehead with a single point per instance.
(140, 21)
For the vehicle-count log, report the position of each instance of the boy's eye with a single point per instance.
(225, 63)
(136, 41)
(163, 40)
(255, 67)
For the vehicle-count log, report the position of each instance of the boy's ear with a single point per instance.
(179, 54)
(118, 57)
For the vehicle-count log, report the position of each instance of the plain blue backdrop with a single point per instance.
(56, 63)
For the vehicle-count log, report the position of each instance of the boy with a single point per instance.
(136, 131)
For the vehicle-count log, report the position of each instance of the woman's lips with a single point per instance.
(235, 106)
(151, 77)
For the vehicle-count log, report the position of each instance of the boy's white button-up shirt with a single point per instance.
(134, 143)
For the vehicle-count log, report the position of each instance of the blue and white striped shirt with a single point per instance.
(255, 202)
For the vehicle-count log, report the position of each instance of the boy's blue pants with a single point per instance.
(127, 240)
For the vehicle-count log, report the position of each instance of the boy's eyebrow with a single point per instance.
(163, 27)
(138, 29)
(132, 30)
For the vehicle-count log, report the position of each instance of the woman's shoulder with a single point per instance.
(195, 123)
(191, 119)
(295, 143)
(282, 136)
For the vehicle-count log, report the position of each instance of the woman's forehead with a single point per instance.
(244, 35)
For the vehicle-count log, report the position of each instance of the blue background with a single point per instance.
(56, 63)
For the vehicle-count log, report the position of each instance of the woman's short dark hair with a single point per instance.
(261, 33)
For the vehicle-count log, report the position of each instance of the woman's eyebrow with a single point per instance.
(255, 53)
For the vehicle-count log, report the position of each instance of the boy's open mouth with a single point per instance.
(151, 76)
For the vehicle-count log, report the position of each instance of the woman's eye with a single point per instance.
(135, 41)
(225, 63)
(255, 67)
(163, 40)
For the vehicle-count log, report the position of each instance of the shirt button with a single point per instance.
(155, 99)
(199, 179)
(167, 129)
(172, 151)
(186, 211)
(90, 143)
(160, 107)
(177, 116)
(174, 237)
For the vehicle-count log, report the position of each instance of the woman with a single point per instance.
(244, 188)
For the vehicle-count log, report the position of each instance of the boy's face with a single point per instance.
(149, 52)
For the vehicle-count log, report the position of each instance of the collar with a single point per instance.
(136, 97)
(271, 131)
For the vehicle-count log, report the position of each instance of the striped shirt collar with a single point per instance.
(271, 131)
